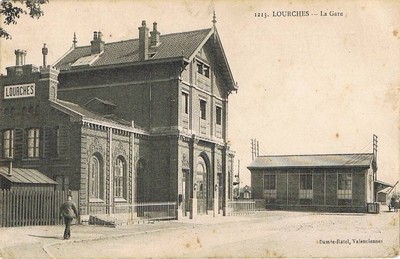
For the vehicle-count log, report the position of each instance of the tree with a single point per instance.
(11, 11)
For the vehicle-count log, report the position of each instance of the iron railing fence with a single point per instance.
(240, 207)
(131, 213)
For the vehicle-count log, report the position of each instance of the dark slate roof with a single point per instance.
(80, 111)
(312, 161)
(383, 183)
(95, 99)
(182, 44)
(380, 186)
(25, 175)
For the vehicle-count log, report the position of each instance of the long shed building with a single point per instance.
(333, 182)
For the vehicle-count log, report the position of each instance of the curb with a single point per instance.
(47, 246)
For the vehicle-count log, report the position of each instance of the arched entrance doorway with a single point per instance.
(202, 181)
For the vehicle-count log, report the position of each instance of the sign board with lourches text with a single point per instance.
(19, 91)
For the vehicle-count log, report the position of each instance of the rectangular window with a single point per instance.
(218, 112)
(203, 69)
(185, 103)
(33, 142)
(344, 188)
(8, 143)
(199, 67)
(270, 182)
(206, 71)
(270, 187)
(306, 186)
(203, 109)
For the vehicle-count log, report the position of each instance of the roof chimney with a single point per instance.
(45, 51)
(20, 57)
(143, 42)
(74, 41)
(155, 36)
(97, 45)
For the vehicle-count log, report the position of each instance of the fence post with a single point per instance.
(1, 207)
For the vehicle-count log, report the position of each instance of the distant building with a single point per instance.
(138, 120)
(382, 191)
(342, 182)
(245, 192)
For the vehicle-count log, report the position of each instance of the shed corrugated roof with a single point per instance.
(182, 44)
(25, 175)
(323, 160)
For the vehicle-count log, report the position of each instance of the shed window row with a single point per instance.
(344, 187)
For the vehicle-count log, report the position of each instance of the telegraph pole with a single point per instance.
(258, 149)
(238, 176)
(375, 154)
(255, 148)
(252, 149)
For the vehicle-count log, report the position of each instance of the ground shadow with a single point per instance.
(52, 237)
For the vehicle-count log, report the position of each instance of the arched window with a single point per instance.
(95, 177)
(119, 178)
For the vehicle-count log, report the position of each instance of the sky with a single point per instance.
(308, 84)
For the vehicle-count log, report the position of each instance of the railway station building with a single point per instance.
(141, 120)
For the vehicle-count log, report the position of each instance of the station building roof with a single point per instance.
(174, 46)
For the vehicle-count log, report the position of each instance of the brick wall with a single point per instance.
(146, 95)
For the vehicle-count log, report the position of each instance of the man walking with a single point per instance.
(68, 211)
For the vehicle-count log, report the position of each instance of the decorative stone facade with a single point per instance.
(138, 128)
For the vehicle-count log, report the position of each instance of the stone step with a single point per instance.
(104, 220)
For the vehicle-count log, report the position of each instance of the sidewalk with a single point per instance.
(33, 241)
